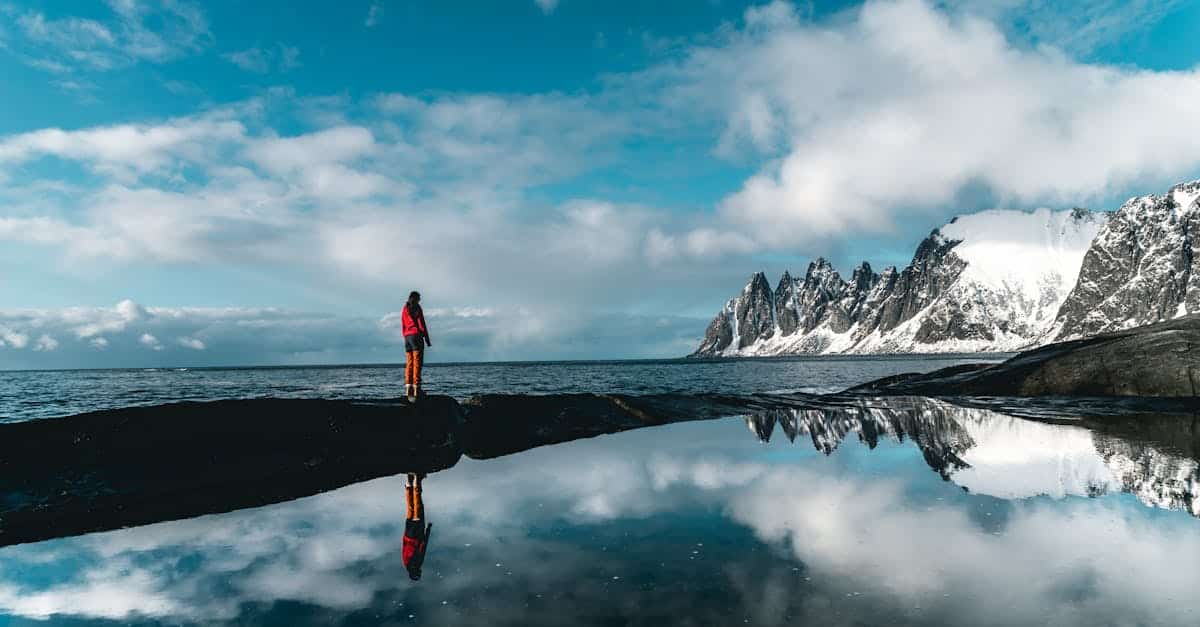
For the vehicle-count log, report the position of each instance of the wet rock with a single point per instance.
(111, 469)
(500, 424)
(1159, 360)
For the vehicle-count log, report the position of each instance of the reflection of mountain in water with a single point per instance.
(1152, 457)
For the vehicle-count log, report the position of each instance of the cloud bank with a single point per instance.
(897, 111)
(132, 335)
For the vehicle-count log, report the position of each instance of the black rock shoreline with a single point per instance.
(117, 468)
(1159, 360)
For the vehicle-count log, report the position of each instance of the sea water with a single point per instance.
(26, 395)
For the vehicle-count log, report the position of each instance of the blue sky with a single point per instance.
(545, 172)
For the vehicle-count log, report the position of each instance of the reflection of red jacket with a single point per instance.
(413, 320)
(414, 548)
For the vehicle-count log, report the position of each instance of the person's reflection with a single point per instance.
(416, 531)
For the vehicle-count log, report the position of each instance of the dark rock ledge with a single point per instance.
(1158, 360)
(117, 468)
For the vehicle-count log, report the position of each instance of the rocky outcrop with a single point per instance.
(1140, 269)
(1159, 360)
(755, 311)
(110, 469)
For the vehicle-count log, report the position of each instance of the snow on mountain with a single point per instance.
(1031, 257)
(1140, 269)
(990, 281)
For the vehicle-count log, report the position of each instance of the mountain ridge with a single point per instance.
(992, 281)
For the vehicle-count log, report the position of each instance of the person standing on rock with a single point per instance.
(416, 530)
(416, 338)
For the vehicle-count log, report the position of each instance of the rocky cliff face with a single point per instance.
(1140, 269)
(991, 281)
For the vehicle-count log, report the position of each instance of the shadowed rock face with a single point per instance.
(1159, 360)
(110, 469)
(501, 424)
(1141, 268)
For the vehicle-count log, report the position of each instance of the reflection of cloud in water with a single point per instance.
(1072, 561)
(1143, 569)
(1015, 458)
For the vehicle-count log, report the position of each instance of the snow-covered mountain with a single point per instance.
(1140, 269)
(990, 281)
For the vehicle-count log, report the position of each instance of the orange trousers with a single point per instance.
(416, 507)
(412, 367)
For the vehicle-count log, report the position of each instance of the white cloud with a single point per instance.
(12, 338)
(151, 342)
(280, 58)
(133, 336)
(128, 149)
(339, 198)
(45, 343)
(154, 32)
(192, 343)
(895, 111)
(333, 145)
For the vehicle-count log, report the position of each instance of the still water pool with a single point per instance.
(910, 511)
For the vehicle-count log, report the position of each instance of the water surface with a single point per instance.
(26, 395)
(913, 512)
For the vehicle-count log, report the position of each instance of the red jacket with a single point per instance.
(414, 325)
(413, 547)
(413, 551)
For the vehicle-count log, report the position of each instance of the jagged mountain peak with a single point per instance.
(1141, 268)
(863, 277)
(996, 280)
(1192, 187)
(992, 280)
(822, 275)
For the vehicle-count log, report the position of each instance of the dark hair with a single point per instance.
(414, 296)
(414, 574)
